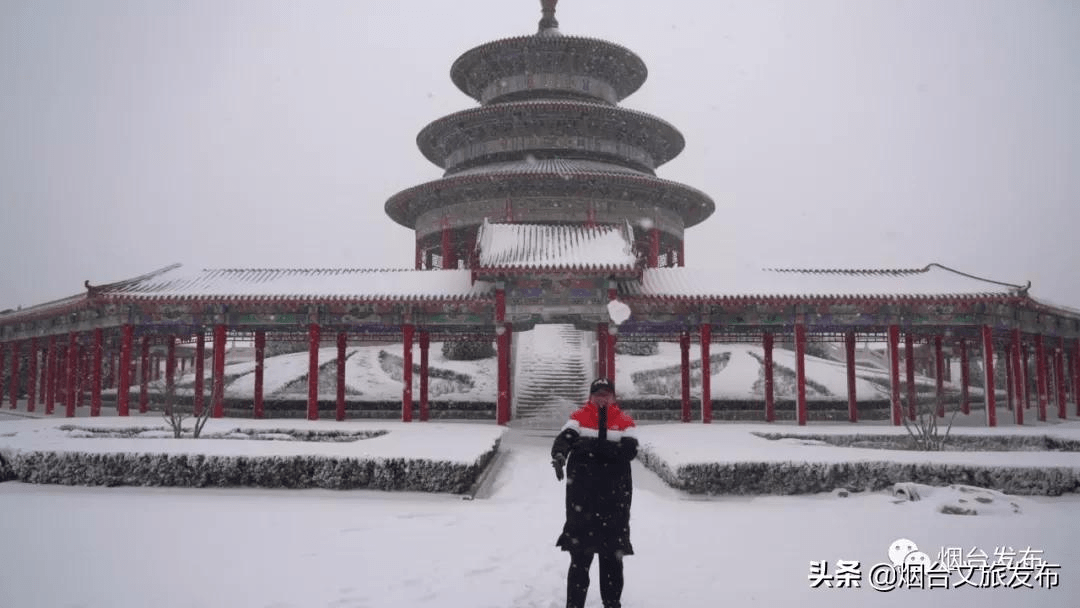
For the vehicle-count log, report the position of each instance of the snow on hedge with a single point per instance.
(452, 442)
(736, 459)
(682, 444)
(386, 455)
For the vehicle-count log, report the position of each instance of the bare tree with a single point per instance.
(924, 430)
(175, 414)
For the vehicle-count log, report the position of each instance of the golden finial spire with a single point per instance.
(548, 22)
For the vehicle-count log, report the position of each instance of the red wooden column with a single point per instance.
(770, 401)
(1051, 378)
(682, 254)
(407, 331)
(1006, 360)
(123, 390)
(1022, 378)
(800, 372)
(314, 339)
(611, 339)
(988, 376)
(654, 248)
(706, 378)
(2, 351)
(72, 372)
(939, 375)
(170, 370)
(95, 370)
(601, 350)
(1017, 376)
(31, 377)
(200, 363)
(260, 359)
(1059, 374)
(502, 345)
(1067, 366)
(852, 403)
(1027, 375)
(909, 374)
(144, 375)
(50, 375)
(1076, 376)
(80, 379)
(419, 262)
(61, 372)
(219, 372)
(448, 261)
(965, 379)
(43, 376)
(342, 342)
(1040, 376)
(508, 341)
(684, 350)
(894, 372)
(14, 388)
(425, 345)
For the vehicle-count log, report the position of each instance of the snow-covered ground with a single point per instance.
(372, 373)
(161, 547)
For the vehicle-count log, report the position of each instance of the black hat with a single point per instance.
(601, 384)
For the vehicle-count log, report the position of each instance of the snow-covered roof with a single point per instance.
(550, 246)
(741, 282)
(550, 166)
(174, 282)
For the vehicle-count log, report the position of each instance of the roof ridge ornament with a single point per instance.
(548, 22)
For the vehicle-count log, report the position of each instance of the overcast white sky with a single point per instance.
(269, 133)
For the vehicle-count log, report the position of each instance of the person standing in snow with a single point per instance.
(596, 446)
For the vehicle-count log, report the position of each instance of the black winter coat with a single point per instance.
(599, 487)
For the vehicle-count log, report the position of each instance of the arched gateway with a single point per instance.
(549, 208)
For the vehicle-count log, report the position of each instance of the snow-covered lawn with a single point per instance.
(741, 377)
(369, 378)
(164, 547)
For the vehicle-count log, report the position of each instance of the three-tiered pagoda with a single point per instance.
(549, 211)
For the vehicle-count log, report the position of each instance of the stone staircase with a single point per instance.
(552, 371)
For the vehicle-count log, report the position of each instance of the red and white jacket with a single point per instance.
(586, 422)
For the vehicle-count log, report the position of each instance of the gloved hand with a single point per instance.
(558, 462)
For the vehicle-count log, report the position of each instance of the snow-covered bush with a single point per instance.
(636, 348)
(667, 381)
(197, 470)
(785, 381)
(393, 364)
(6, 473)
(468, 351)
(752, 478)
(962, 443)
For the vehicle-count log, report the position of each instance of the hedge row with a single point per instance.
(297, 408)
(202, 471)
(6, 474)
(955, 442)
(785, 478)
(661, 408)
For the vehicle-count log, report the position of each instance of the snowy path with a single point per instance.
(137, 547)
